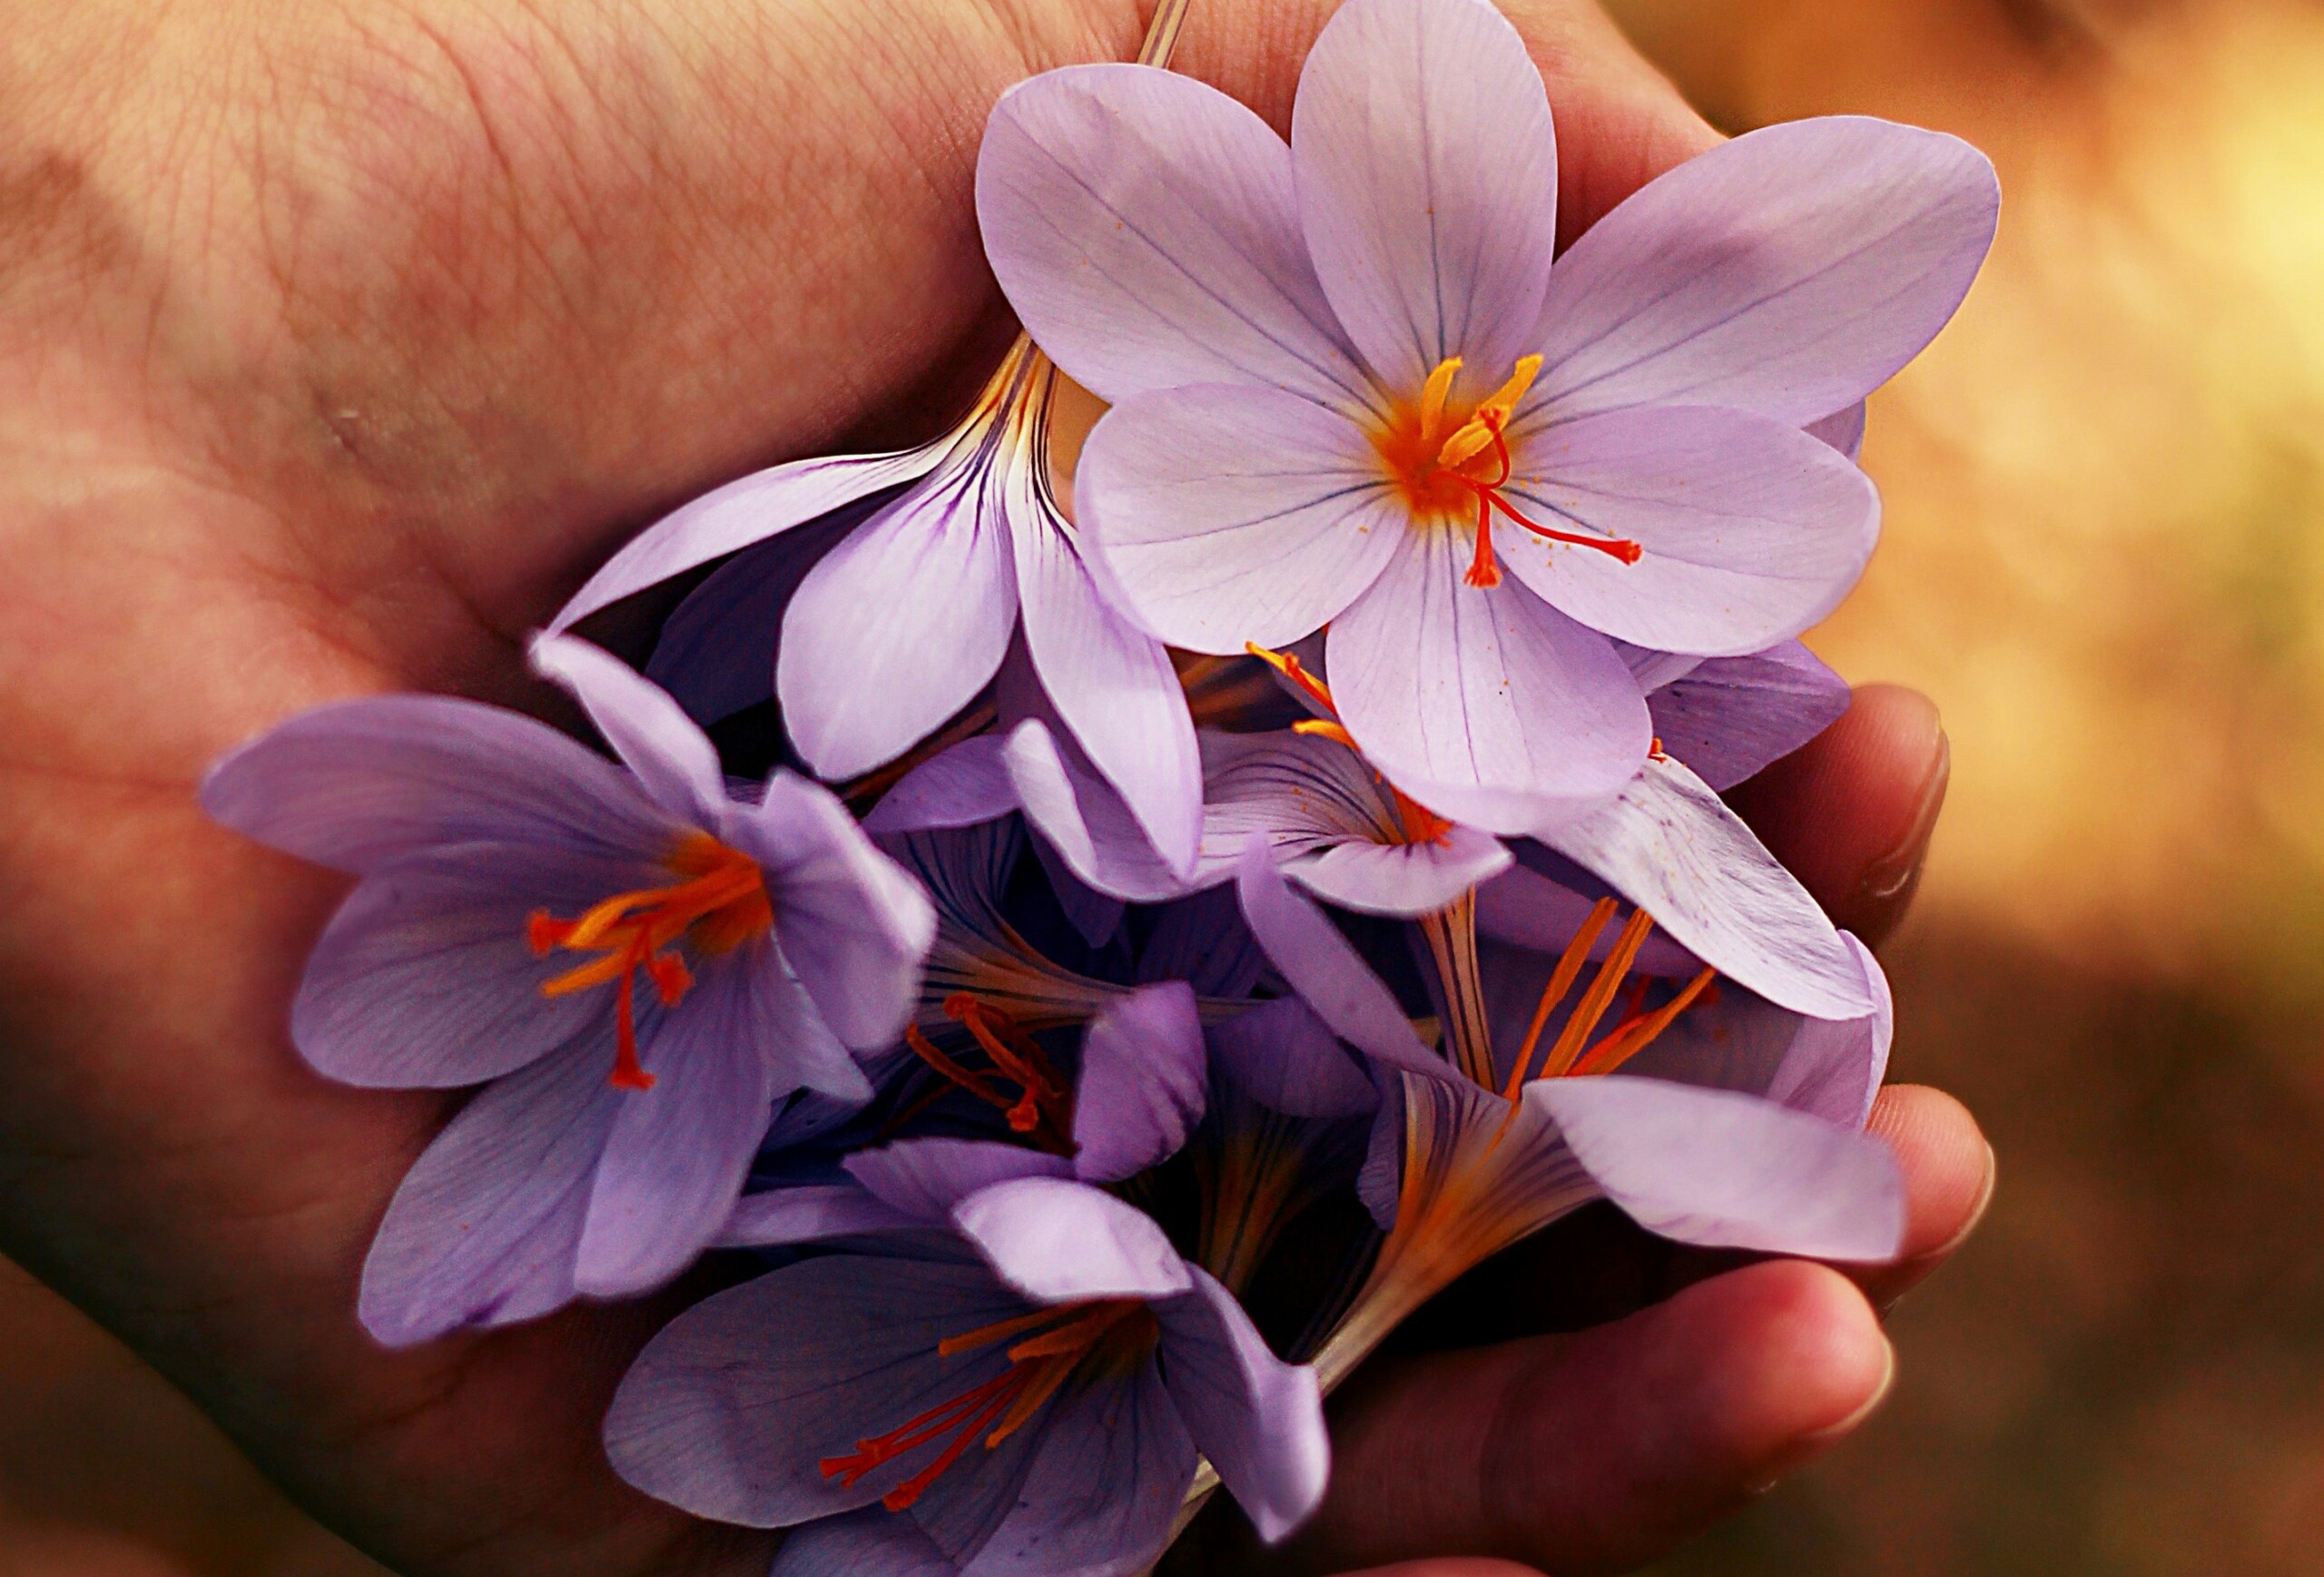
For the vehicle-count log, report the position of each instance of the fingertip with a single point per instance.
(1949, 1170)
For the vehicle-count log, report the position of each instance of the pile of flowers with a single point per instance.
(1112, 934)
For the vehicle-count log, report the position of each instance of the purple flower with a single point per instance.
(1725, 718)
(632, 965)
(1335, 367)
(1037, 1407)
(931, 560)
(1734, 1122)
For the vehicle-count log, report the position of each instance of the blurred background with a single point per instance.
(2104, 556)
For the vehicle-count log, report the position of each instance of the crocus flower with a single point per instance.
(897, 582)
(1741, 1131)
(1349, 388)
(631, 963)
(1725, 718)
(1036, 1406)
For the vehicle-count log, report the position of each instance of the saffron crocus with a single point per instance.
(1741, 1131)
(1035, 1406)
(631, 963)
(1727, 718)
(1349, 388)
(897, 582)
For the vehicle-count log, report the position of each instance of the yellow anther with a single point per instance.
(1324, 728)
(1432, 397)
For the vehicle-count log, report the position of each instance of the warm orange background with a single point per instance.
(2104, 557)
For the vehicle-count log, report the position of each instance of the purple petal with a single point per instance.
(1833, 1068)
(1260, 1420)
(1218, 515)
(1752, 531)
(1486, 705)
(484, 1229)
(1403, 878)
(1112, 685)
(902, 624)
(729, 1410)
(675, 1162)
(1672, 847)
(1059, 1242)
(1143, 1081)
(1283, 1056)
(424, 977)
(1096, 916)
(960, 786)
(807, 1214)
(1730, 717)
(874, 1542)
(853, 926)
(1202, 940)
(924, 1179)
(1523, 907)
(715, 652)
(1104, 1487)
(1427, 176)
(1728, 1171)
(1144, 227)
(1080, 816)
(361, 783)
(1324, 970)
(1843, 429)
(652, 735)
(743, 512)
(1790, 271)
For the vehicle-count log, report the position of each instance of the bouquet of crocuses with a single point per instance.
(1194, 894)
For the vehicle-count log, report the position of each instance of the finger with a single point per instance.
(1600, 1450)
(1949, 1172)
(1619, 122)
(1852, 812)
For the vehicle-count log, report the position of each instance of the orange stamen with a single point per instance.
(1632, 1037)
(1561, 979)
(720, 905)
(1288, 665)
(1065, 1341)
(1043, 1108)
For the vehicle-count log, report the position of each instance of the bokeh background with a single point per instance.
(2104, 557)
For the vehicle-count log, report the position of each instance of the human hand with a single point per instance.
(335, 347)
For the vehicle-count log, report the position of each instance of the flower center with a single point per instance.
(720, 904)
(1042, 1108)
(1447, 464)
(1093, 1339)
(1632, 1032)
(1416, 823)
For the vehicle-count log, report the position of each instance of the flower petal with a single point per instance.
(1080, 815)
(1203, 942)
(1111, 683)
(902, 624)
(1403, 878)
(1427, 175)
(746, 512)
(1728, 1170)
(958, 786)
(1104, 1488)
(1843, 429)
(718, 1420)
(1324, 970)
(1671, 846)
(1283, 1056)
(807, 1214)
(1257, 1419)
(853, 926)
(1833, 1068)
(715, 652)
(1143, 1079)
(1790, 271)
(1730, 717)
(1144, 228)
(675, 1159)
(874, 1542)
(484, 1229)
(1528, 909)
(1485, 704)
(924, 1178)
(355, 785)
(423, 978)
(1057, 1242)
(1752, 531)
(654, 738)
(1218, 515)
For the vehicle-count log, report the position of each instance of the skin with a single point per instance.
(337, 343)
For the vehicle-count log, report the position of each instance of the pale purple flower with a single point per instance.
(898, 581)
(1335, 366)
(632, 964)
(1037, 1407)
(1727, 718)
